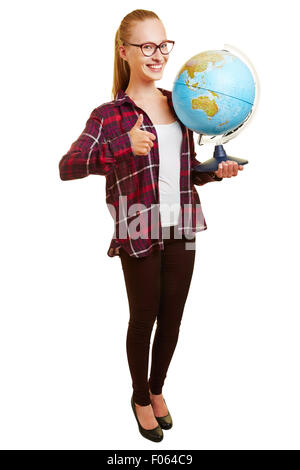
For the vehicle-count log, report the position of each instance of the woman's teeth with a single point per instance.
(155, 68)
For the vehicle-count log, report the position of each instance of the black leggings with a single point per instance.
(157, 287)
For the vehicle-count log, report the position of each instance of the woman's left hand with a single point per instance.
(228, 169)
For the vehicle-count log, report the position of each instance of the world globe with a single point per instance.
(213, 92)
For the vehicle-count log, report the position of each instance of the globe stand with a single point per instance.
(219, 152)
(219, 156)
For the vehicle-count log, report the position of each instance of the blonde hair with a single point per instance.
(121, 68)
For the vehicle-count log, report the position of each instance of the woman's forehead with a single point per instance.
(148, 31)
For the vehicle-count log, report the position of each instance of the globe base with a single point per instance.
(219, 156)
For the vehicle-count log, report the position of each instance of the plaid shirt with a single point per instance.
(105, 148)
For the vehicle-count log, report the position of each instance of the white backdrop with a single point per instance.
(233, 382)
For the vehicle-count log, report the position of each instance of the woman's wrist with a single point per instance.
(215, 177)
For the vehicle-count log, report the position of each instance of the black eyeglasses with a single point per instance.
(149, 48)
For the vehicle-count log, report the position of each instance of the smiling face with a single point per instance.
(150, 30)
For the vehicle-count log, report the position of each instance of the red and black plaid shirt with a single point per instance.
(132, 192)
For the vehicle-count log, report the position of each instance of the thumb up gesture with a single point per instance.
(141, 140)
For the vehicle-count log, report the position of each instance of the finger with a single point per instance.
(241, 167)
(150, 142)
(230, 168)
(235, 168)
(225, 169)
(150, 135)
(139, 121)
(220, 170)
(144, 150)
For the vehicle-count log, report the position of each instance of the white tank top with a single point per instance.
(169, 146)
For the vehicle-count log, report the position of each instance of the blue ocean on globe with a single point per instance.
(213, 92)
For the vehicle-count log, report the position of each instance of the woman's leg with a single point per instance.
(177, 265)
(142, 279)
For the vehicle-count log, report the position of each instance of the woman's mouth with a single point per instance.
(155, 68)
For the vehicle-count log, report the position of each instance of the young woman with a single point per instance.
(147, 156)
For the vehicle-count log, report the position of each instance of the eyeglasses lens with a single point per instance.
(165, 47)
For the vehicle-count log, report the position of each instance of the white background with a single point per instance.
(233, 382)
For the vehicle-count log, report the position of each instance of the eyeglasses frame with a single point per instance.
(149, 42)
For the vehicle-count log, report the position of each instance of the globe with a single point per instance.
(213, 92)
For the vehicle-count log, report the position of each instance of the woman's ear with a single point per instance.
(122, 52)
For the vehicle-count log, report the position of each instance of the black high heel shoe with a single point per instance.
(165, 422)
(155, 434)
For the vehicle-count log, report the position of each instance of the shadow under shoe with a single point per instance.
(155, 434)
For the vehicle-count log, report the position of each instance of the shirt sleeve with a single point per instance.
(92, 154)
(200, 178)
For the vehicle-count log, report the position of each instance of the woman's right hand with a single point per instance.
(141, 140)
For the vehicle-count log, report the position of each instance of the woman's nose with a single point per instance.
(158, 55)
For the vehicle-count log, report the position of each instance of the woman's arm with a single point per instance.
(91, 153)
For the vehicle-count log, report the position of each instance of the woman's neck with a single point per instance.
(138, 94)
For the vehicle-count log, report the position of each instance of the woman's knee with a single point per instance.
(140, 328)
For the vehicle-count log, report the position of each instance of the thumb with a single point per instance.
(139, 121)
